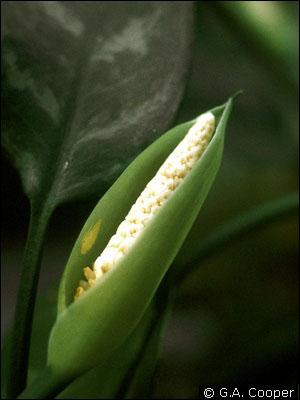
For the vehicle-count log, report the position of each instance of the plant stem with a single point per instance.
(240, 226)
(20, 342)
(46, 386)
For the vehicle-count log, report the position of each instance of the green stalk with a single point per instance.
(238, 227)
(21, 333)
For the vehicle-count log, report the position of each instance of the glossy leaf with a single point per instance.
(86, 86)
(89, 330)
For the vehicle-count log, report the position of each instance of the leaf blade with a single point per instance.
(82, 79)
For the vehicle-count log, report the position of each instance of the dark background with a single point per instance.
(235, 318)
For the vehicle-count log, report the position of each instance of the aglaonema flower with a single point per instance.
(130, 240)
(168, 178)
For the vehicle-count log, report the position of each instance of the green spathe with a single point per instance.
(89, 330)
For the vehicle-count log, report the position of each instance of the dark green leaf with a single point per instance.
(86, 86)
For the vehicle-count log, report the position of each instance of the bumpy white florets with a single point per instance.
(158, 190)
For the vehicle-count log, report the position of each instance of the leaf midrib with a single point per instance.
(58, 159)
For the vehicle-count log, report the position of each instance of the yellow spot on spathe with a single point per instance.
(90, 238)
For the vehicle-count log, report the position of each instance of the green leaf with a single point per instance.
(89, 330)
(86, 86)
